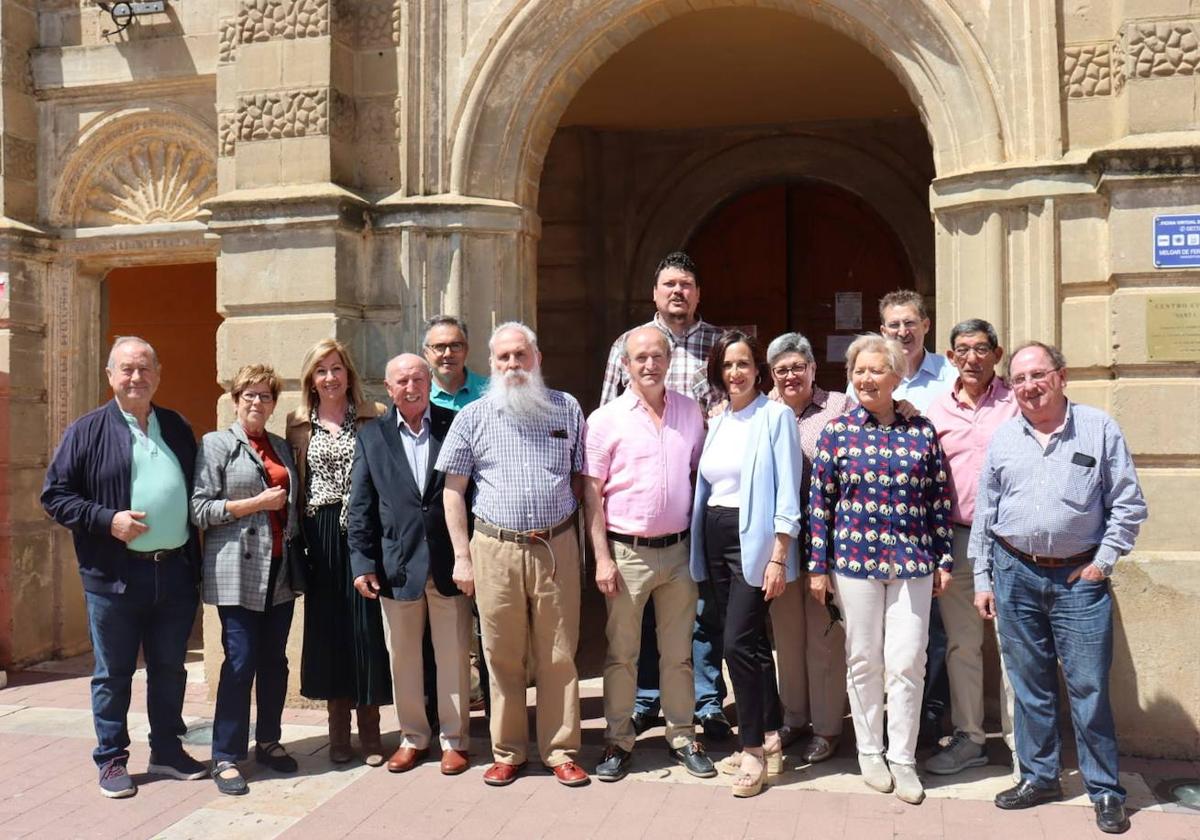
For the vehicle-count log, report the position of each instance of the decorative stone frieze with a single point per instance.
(227, 40)
(1088, 70)
(370, 23)
(1157, 49)
(266, 20)
(227, 127)
(285, 113)
(19, 158)
(153, 181)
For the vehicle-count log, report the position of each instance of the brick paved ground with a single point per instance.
(48, 789)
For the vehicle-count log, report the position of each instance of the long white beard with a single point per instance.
(521, 393)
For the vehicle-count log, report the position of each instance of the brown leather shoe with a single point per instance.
(405, 759)
(500, 774)
(339, 730)
(454, 762)
(570, 774)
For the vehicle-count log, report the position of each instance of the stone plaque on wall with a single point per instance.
(1173, 328)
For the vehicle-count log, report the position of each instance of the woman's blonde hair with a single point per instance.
(875, 343)
(254, 375)
(308, 369)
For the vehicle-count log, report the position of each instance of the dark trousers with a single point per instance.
(255, 652)
(747, 648)
(154, 613)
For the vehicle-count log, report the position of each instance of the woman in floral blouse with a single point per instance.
(880, 521)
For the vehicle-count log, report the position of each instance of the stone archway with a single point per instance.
(509, 114)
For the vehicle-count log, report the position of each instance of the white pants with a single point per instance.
(887, 628)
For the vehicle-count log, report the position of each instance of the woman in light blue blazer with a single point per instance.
(745, 521)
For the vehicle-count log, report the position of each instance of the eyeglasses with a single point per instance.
(251, 397)
(1032, 376)
(980, 350)
(895, 326)
(798, 369)
(448, 347)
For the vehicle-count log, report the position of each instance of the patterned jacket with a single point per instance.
(237, 552)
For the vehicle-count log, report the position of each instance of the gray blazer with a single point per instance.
(237, 552)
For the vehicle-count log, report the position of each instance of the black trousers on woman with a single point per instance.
(747, 649)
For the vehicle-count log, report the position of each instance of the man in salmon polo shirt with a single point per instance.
(642, 449)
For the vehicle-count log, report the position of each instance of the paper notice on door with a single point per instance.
(847, 311)
(836, 347)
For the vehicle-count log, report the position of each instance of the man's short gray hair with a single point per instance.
(529, 334)
(121, 341)
(790, 342)
(666, 342)
(892, 350)
(447, 321)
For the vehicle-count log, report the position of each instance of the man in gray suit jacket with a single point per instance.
(400, 549)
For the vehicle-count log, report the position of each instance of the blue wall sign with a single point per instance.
(1177, 241)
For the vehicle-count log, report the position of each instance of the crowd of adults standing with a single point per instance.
(737, 513)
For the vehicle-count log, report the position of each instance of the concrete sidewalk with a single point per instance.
(48, 789)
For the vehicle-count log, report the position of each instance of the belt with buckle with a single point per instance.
(648, 542)
(1050, 562)
(523, 537)
(156, 556)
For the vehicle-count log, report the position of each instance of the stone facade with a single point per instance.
(354, 165)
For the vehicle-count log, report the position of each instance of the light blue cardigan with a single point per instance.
(770, 493)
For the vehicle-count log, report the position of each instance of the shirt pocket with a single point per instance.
(1081, 486)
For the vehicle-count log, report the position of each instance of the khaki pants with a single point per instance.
(528, 598)
(404, 631)
(964, 650)
(811, 663)
(661, 574)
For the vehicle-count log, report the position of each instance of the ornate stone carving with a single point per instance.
(1088, 70)
(19, 158)
(285, 113)
(266, 20)
(154, 181)
(1157, 49)
(146, 166)
(227, 41)
(226, 133)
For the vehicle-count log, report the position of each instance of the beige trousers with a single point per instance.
(404, 631)
(528, 598)
(964, 650)
(811, 663)
(660, 574)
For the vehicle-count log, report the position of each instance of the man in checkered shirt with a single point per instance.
(676, 297)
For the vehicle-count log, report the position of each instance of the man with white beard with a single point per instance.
(523, 445)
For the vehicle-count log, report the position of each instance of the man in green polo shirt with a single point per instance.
(454, 386)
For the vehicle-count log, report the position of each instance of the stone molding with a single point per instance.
(154, 165)
(283, 113)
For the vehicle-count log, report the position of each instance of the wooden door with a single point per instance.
(777, 258)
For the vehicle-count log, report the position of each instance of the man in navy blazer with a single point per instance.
(400, 550)
(120, 481)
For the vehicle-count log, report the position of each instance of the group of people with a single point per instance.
(737, 513)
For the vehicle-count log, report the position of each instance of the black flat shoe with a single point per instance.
(273, 755)
(614, 766)
(716, 726)
(693, 759)
(1110, 814)
(1026, 795)
(229, 778)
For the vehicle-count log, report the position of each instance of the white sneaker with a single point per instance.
(875, 772)
(908, 783)
(956, 756)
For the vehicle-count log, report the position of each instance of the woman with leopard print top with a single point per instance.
(345, 660)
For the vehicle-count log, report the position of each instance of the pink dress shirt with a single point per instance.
(964, 433)
(646, 470)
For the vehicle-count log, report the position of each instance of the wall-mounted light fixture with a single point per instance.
(123, 13)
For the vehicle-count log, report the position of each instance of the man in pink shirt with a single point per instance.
(966, 418)
(642, 450)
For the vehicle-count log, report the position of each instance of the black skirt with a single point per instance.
(344, 651)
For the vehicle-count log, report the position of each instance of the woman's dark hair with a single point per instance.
(716, 362)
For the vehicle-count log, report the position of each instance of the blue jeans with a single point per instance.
(707, 651)
(154, 613)
(255, 646)
(1043, 619)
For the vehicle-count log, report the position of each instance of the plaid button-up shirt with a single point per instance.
(689, 357)
(522, 467)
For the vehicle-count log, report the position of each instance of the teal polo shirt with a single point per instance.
(157, 487)
(473, 388)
